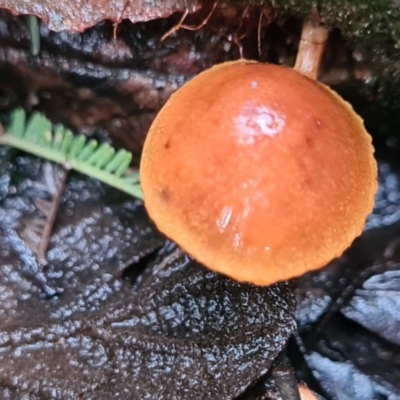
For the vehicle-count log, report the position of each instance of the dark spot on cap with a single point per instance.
(167, 145)
(309, 141)
(164, 195)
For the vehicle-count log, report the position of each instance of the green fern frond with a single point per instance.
(37, 136)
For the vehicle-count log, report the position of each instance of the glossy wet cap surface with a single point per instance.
(258, 172)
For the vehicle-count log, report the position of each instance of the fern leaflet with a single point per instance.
(39, 137)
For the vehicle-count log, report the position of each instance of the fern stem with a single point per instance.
(37, 136)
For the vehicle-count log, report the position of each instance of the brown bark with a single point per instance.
(79, 15)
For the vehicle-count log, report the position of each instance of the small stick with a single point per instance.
(237, 39)
(116, 24)
(115, 30)
(34, 32)
(202, 23)
(311, 48)
(259, 34)
(50, 219)
(176, 26)
(180, 24)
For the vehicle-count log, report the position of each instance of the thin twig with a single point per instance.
(180, 23)
(175, 27)
(50, 218)
(259, 33)
(202, 23)
(236, 38)
(116, 24)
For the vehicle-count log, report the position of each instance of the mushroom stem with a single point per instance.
(311, 49)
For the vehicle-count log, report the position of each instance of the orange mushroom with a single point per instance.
(259, 172)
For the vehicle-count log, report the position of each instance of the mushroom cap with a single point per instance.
(258, 172)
